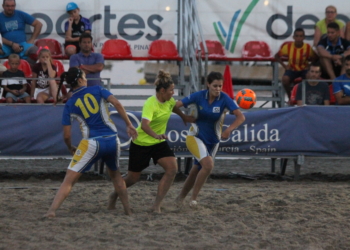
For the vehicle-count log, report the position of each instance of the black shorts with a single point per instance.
(139, 156)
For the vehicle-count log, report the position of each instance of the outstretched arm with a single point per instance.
(119, 107)
(185, 118)
(67, 138)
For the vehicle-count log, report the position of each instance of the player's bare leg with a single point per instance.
(120, 189)
(188, 185)
(130, 180)
(69, 180)
(170, 166)
(207, 166)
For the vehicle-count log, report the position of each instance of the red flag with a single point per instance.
(227, 87)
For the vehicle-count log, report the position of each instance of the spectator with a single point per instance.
(91, 63)
(298, 54)
(316, 93)
(12, 29)
(44, 69)
(74, 27)
(332, 50)
(321, 26)
(15, 84)
(341, 90)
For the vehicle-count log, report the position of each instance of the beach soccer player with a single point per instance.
(100, 141)
(204, 136)
(151, 141)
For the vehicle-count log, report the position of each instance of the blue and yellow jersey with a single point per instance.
(90, 107)
(210, 117)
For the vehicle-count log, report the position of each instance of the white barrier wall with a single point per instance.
(233, 22)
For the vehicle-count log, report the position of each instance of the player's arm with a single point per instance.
(280, 61)
(240, 118)
(67, 138)
(36, 32)
(341, 99)
(185, 118)
(322, 52)
(98, 67)
(146, 127)
(121, 111)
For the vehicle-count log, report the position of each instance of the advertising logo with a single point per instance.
(224, 36)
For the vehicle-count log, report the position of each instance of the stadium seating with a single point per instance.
(54, 47)
(215, 50)
(256, 50)
(116, 49)
(59, 67)
(163, 50)
(24, 66)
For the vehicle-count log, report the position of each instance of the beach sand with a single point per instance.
(242, 206)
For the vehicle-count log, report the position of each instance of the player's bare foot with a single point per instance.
(179, 201)
(156, 210)
(112, 200)
(50, 215)
(128, 211)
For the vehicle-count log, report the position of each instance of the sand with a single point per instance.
(266, 211)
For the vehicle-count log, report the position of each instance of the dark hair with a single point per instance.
(347, 58)
(299, 30)
(71, 77)
(316, 64)
(333, 25)
(85, 35)
(214, 76)
(163, 80)
(3, 2)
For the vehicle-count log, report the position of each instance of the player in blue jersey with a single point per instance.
(204, 136)
(90, 107)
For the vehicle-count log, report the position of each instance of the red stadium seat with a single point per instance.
(332, 99)
(215, 50)
(256, 50)
(116, 49)
(54, 47)
(163, 50)
(24, 66)
(293, 95)
(59, 67)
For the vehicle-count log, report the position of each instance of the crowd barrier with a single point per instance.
(293, 132)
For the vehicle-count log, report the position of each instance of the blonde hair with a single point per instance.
(163, 80)
(47, 51)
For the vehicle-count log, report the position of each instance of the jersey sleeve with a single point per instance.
(105, 93)
(66, 26)
(192, 98)
(99, 58)
(230, 104)
(283, 51)
(66, 115)
(148, 110)
(87, 24)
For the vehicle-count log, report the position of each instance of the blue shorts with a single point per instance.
(91, 150)
(8, 50)
(200, 150)
(16, 98)
(295, 74)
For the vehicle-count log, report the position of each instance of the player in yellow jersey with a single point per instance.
(151, 141)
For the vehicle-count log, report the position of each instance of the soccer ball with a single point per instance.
(246, 98)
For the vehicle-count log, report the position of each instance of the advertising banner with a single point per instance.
(36, 130)
(233, 23)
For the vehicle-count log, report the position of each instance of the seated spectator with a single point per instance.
(15, 84)
(341, 90)
(298, 54)
(316, 93)
(44, 69)
(331, 51)
(74, 27)
(12, 29)
(91, 63)
(321, 26)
